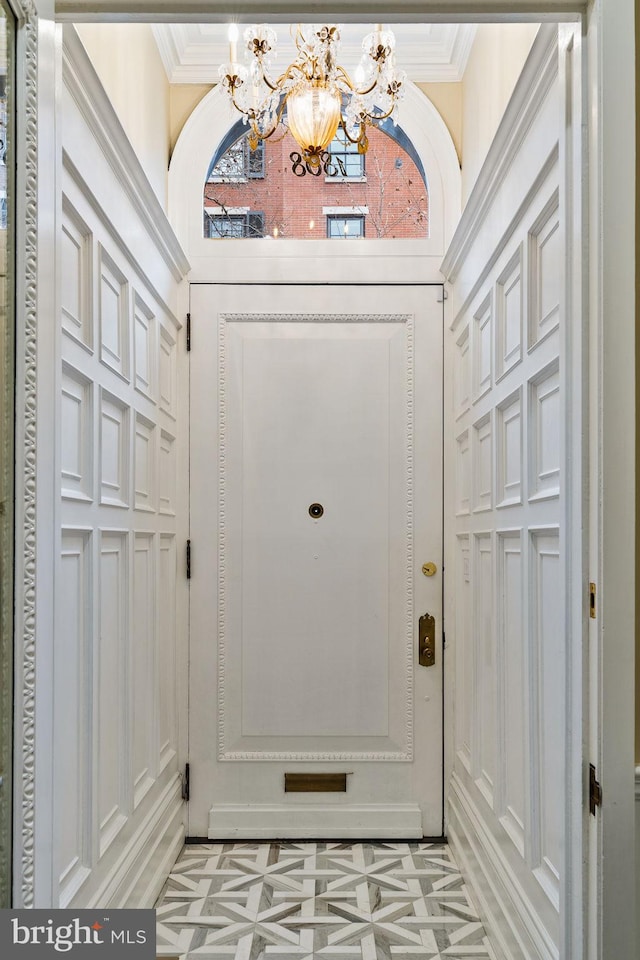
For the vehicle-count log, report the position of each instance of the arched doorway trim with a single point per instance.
(210, 123)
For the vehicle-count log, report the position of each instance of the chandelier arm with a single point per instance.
(269, 134)
(377, 117)
(245, 113)
(344, 76)
(348, 135)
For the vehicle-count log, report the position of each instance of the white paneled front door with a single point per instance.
(316, 497)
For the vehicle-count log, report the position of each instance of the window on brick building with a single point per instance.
(345, 158)
(219, 222)
(239, 163)
(345, 226)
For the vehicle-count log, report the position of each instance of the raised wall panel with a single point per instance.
(511, 659)
(482, 346)
(144, 354)
(72, 799)
(545, 272)
(112, 684)
(509, 301)
(168, 361)
(544, 433)
(509, 451)
(484, 747)
(166, 653)
(463, 474)
(167, 474)
(464, 651)
(76, 435)
(114, 315)
(144, 464)
(482, 465)
(75, 281)
(548, 661)
(462, 374)
(144, 666)
(114, 451)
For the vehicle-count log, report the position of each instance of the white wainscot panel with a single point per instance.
(511, 659)
(509, 453)
(166, 654)
(484, 747)
(547, 802)
(482, 464)
(464, 652)
(463, 474)
(76, 262)
(168, 372)
(144, 470)
(144, 351)
(482, 348)
(544, 433)
(72, 726)
(76, 435)
(143, 648)
(545, 272)
(509, 316)
(114, 450)
(167, 474)
(112, 759)
(462, 374)
(114, 316)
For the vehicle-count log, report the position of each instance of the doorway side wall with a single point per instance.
(510, 543)
(117, 737)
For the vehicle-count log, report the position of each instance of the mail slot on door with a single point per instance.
(427, 640)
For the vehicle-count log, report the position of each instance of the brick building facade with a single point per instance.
(267, 193)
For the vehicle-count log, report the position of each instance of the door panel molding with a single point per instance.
(232, 745)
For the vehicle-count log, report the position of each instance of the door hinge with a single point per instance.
(592, 600)
(188, 559)
(185, 783)
(595, 791)
(188, 333)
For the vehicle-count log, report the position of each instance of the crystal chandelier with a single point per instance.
(310, 95)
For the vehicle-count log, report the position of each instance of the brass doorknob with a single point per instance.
(429, 569)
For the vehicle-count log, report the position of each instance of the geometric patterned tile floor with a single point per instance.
(298, 901)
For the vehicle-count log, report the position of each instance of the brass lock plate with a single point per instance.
(427, 640)
(429, 569)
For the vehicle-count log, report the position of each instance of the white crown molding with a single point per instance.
(532, 87)
(83, 84)
(429, 53)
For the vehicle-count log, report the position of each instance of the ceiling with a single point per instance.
(429, 52)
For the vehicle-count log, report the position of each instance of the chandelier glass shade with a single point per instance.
(314, 95)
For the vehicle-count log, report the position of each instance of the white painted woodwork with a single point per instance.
(296, 821)
(514, 752)
(304, 631)
(120, 638)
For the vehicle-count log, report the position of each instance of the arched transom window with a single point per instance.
(272, 192)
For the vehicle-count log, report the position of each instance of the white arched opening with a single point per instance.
(392, 260)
